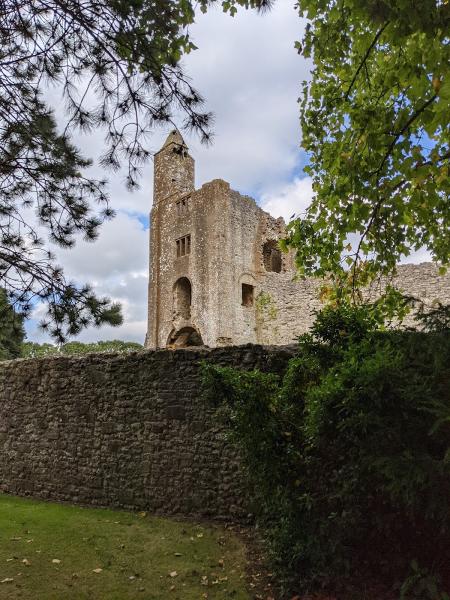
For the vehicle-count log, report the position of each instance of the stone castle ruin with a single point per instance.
(217, 276)
(133, 430)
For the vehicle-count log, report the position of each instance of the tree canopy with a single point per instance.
(12, 332)
(375, 124)
(117, 65)
(34, 350)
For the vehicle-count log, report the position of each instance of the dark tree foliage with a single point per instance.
(347, 454)
(117, 65)
(34, 350)
(12, 332)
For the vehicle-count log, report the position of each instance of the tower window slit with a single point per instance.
(183, 246)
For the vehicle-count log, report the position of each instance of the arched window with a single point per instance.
(182, 297)
(272, 256)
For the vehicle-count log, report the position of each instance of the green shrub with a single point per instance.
(347, 454)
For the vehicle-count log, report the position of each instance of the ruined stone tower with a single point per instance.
(209, 249)
(217, 276)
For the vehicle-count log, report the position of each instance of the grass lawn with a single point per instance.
(54, 551)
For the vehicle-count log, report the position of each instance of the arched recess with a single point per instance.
(272, 258)
(182, 298)
(185, 337)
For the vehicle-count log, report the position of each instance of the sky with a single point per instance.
(250, 74)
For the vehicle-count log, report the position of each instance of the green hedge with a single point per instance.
(347, 454)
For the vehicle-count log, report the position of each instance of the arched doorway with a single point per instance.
(182, 298)
(185, 337)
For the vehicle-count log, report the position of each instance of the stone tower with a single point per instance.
(208, 248)
(174, 169)
(217, 275)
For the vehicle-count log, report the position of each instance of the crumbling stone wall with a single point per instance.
(126, 431)
(285, 307)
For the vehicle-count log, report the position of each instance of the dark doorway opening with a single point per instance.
(247, 294)
(185, 338)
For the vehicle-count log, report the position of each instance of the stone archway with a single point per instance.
(185, 337)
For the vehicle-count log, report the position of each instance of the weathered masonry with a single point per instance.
(127, 431)
(217, 276)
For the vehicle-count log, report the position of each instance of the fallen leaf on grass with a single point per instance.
(15, 539)
(56, 561)
(7, 580)
(97, 570)
(199, 535)
(26, 562)
(173, 574)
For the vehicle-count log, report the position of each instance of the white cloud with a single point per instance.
(289, 200)
(250, 74)
(116, 266)
(121, 248)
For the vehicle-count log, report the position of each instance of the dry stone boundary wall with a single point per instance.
(128, 431)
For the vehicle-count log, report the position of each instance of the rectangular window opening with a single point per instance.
(183, 246)
(247, 294)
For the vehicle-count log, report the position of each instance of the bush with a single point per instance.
(347, 454)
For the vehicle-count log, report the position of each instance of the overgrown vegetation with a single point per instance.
(348, 453)
(50, 551)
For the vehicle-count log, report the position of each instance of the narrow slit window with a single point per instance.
(183, 246)
(182, 206)
(247, 294)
